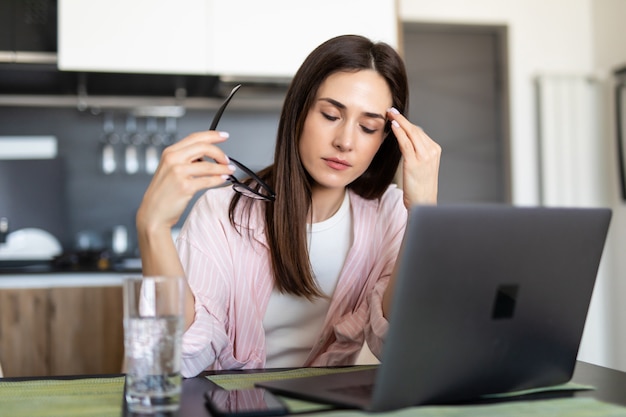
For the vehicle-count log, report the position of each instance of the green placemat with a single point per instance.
(97, 397)
(563, 407)
(247, 380)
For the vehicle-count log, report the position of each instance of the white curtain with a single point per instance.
(571, 140)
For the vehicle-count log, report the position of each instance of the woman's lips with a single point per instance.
(337, 164)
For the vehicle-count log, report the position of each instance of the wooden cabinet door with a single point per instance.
(86, 330)
(23, 332)
(61, 331)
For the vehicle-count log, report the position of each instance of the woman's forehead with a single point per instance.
(364, 89)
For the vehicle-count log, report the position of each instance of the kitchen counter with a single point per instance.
(92, 260)
(62, 279)
(54, 274)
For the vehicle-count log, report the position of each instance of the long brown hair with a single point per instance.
(286, 217)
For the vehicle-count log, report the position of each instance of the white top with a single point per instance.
(293, 324)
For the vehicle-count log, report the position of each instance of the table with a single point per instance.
(610, 387)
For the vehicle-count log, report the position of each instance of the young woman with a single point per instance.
(303, 280)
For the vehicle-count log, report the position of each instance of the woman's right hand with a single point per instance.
(182, 172)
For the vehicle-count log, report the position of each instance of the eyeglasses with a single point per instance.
(263, 191)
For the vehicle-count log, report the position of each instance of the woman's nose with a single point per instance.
(344, 138)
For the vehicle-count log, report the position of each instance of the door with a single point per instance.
(459, 96)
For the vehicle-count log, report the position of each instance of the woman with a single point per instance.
(303, 280)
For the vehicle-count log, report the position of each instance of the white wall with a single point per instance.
(571, 37)
(609, 53)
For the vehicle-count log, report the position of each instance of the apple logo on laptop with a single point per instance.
(504, 303)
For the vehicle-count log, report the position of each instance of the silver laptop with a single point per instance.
(489, 299)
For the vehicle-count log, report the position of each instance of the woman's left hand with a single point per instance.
(420, 165)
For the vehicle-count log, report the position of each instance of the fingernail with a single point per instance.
(394, 110)
(225, 135)
(395, 123)
(232, 168)
(225, 177)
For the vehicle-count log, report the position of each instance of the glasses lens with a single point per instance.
(259, 189)
(249, 192)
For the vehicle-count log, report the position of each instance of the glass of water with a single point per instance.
(153, 328)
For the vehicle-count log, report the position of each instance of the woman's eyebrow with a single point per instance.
(342, 106)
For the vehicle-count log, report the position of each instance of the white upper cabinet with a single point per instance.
(151, 36)
(272, 37)
(230, 38)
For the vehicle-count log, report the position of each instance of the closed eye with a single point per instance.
(329, 117)
(366, 130)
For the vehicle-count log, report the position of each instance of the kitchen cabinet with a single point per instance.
(139, 36)
(61, 330)
(230, 38)
(271, 38)
(28, 31)
(23, 334)
(86, 330)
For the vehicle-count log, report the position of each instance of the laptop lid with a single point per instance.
(488, 299)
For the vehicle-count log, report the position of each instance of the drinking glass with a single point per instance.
(153, 328)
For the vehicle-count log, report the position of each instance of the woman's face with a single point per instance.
(344, 127)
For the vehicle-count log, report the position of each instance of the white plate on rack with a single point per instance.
(30, 244)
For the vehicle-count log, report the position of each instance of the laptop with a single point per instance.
(488, 299)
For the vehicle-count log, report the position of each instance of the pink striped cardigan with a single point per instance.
(231, 279)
